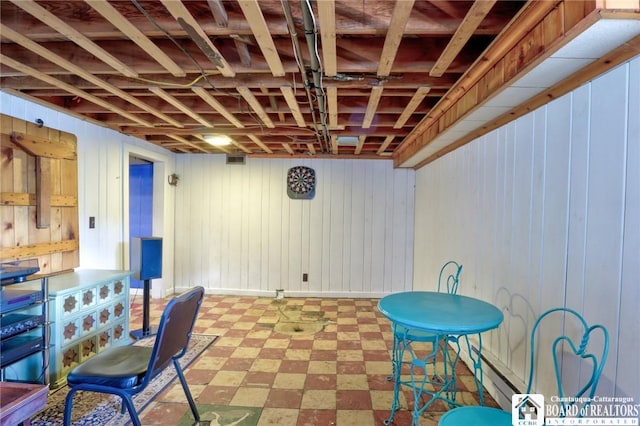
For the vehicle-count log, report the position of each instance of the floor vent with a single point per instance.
(236, 159)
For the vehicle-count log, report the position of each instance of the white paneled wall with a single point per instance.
(238, 231)
(103, 186)
(545, 212)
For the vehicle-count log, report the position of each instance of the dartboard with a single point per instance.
(301, 183)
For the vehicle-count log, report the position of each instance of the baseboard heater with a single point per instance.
(499, 381)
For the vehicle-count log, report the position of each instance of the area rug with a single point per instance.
(94, 409)
(223, 415)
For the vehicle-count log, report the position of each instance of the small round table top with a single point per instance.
(441, 313)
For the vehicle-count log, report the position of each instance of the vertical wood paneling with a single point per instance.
(605, 207)
(628, 384)
(553, 219)
(354, 238)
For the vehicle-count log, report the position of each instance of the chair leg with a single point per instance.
(187, 392)
(68, 406)
(128, 402)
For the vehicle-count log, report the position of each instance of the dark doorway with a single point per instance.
(140, 203)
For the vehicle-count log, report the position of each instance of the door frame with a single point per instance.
(162, 217)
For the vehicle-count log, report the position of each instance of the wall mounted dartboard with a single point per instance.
(301, 183)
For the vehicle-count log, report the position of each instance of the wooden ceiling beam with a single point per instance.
(254, 81)
(374, 99)
(219, 13)
(478, 11)
(222, 19)
(417, 98)
(332, 103)
(261, 144)
(187, 142)
(385, 144)
(179, 105)
(288, 148)
(334, 144)
(255, 18)
(71, 89)
(243, 51)
(360, 144)
(287, 92)
(206, 96)
(50, 56)
(616, 57)
(112, 15)
(197, 34)
(531, 37)
(399, 19)
(253, 102)
(39, 12)
(327, 19)
(311, 148)
(256, 129)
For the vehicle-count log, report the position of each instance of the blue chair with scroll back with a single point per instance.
(127, 370)
(561, 349)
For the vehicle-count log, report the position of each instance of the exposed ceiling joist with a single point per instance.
(327, 18)
(253, 102)
(209, 99)
(399, 19)
(70, 89)
(50, 56)
(290, 97)
(179, 105)
(74, 35)
(372, 106)
(112, 15)
(478, 11)
(251, 10)
(363, 67)
(192, 27)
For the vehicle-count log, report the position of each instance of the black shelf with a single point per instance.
(23, 331)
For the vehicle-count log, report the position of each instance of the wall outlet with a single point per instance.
(305, 277)
(92, 222)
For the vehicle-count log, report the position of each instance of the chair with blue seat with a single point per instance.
(562, 344)
(448, 281)
(127, 370)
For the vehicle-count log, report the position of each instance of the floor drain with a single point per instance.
(298, 328)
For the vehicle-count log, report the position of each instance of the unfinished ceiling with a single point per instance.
(324, 78)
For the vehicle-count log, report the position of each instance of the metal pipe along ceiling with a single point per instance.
(310, 35)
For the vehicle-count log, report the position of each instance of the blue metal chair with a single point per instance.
(480, 415)
(127, 370)
(448, 281)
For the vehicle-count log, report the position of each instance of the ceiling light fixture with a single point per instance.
(218, 140)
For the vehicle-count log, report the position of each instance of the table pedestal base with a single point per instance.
(431, 373)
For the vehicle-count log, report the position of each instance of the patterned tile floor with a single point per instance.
(305, 361)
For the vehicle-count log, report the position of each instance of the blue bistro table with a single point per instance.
(447, 317)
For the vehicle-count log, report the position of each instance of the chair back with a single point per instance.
(174, 330)
(594, 355)
(449, 277)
